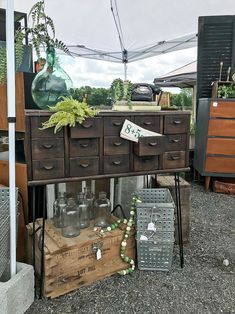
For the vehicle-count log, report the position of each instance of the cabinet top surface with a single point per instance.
(104, 113)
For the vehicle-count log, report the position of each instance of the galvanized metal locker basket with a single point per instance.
(5, 233)
(155, 247)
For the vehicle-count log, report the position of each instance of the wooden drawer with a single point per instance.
(36, 123)
(221, 146)
(48, 169)
(150, 123)
(222, 109)
(84, 166)
(176, 124)
(116, 164)
(173, 160)
(113, 125)
(92, 127)
(46, 148)
(115, 145)
(176, 142)
(145, 163)
(221, 127)
(220, 164)
(150, 146)
(84, 147)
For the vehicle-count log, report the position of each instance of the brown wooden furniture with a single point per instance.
(215, 139)
(95, 149)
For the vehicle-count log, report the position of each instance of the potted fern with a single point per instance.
(52, 81)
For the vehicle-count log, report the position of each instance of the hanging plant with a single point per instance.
(41, 34)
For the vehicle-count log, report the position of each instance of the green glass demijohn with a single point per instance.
(51, 82)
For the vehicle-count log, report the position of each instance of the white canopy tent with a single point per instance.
(133, 30)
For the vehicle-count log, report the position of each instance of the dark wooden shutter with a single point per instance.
(216, 43)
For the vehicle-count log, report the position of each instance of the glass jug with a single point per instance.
(89, 196)
(70, 219)
(58, 206)
(102, 211)
(83, 211)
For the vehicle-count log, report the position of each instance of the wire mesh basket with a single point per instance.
(154, 255)
(5, 233)
(155, 229)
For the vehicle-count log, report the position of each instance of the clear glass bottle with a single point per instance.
(83, 211)
(70, 219)
(89, 196)
(58, 206)
(51, 82)
(102, 211)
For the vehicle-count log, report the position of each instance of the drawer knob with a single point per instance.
(177, 122)
(48, 167)
(117, 143)
(47, 146)
(153, 144)
(175, 157)
(117, 123)
(84, 145)
(116, 163)
(147, 123)
(84, 165)
(175, 141)
(86, 126)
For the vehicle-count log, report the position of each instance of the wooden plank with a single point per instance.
(220, 164)
(20, 104)
(223, 146)
(222, 109)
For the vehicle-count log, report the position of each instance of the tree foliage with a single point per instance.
(183, 100)
(95, 97)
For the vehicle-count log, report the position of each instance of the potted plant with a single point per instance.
(52, 81)
(68, 112)
(226, 91)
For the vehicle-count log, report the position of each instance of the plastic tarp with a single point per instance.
(146, 28)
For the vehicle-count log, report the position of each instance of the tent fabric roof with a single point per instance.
(142, 28)
(185, 76)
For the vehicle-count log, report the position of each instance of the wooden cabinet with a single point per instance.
(215, 138)
(23, 100)
(95, 148)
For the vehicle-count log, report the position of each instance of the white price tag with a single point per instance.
(215, 103)
(151, 226)
(98, 254)
(131, 131)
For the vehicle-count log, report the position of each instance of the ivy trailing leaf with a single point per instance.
(68, 112)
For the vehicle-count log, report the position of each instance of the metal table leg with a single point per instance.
(33, 237)
(179, 218)
(42, 237)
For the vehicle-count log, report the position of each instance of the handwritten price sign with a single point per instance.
(131, 131)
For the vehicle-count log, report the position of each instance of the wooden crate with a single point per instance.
(169, 182)
(71, 263)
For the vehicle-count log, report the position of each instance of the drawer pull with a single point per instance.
(84, 165)
(177, 122)
(116, 163)
(117, 123)
(175, 157)
(47, 146)
(153, 144)
(147, 123)
(48, 167)
(175, 141)
(117, 143)
(87, 126)
(84, 145)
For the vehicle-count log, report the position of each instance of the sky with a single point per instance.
(101, 73)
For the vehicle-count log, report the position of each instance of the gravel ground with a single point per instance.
(204, 285)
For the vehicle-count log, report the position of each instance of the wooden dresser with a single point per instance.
(215, 139)
(95, 149)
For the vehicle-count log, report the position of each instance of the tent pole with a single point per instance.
(11, 127)
(125, 71)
